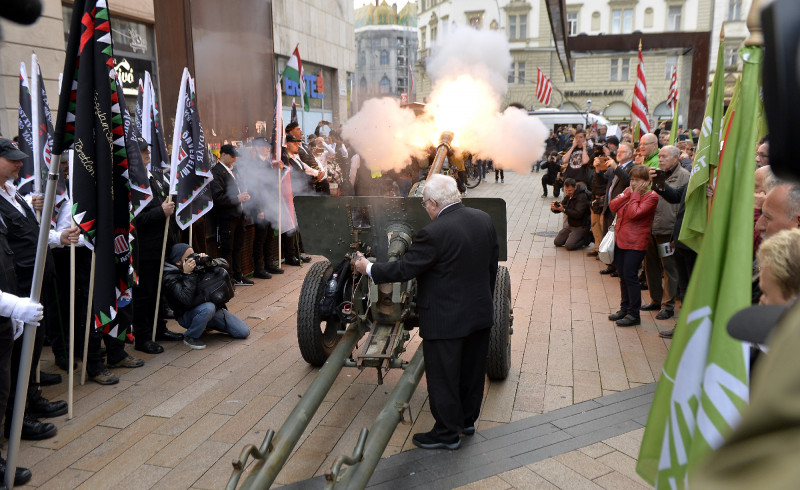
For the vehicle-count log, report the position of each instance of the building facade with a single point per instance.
(323, 32)
(386, 50)
(602, 80)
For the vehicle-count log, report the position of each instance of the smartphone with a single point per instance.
(659, 181)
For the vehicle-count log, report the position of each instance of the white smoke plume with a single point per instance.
(468, 72)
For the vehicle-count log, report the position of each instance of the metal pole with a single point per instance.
(161, 272)
(29, 336)
(264, 472)
(357, 476)
(88, 319)
(280, 209)
(71, 357)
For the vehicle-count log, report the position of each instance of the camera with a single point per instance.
(200, 261)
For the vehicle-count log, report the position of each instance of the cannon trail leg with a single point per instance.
(381, 431)
(264, 472)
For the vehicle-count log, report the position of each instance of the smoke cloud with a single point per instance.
(468, 72)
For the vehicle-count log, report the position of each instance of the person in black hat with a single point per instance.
(23, 235)
(147, 247)
(228, 198)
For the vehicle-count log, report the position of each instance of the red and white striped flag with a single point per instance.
(543, 87)
(672, 98)
(639, 110)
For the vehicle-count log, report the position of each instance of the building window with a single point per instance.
(386, 85)
(674, 18)
(620, 70)
(521, 72)
(648, 18)
(731, 59)
(672, 62)
(511, 73)
(384, 57)
(474, 20)
(362, 59)
(433, 34)
(422, 34)
(621, 21)
(595, 21)
(572, 23)
(518, 26)
(362, 84)
(735, 10)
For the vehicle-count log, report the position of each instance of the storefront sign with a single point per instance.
(291, 88)
(593, 93)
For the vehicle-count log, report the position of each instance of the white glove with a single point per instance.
(19, 327)
(27, 311)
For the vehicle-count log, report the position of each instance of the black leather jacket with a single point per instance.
(180, 289)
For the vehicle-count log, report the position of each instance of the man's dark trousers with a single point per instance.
(230, 239)
(456, 389)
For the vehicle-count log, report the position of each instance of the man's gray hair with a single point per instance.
(672, 151)
(442, 189)
(792, 198)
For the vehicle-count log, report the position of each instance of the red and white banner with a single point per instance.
(672, 98)
(544, 89)
(639, 110)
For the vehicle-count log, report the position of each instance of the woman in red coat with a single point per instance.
(635, 209)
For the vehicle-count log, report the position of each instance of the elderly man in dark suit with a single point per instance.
(454, 259)
(618, 176)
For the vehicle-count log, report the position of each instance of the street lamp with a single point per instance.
(588, 108)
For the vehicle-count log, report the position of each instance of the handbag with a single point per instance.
(605, 252)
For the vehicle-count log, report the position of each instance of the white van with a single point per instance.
(552, 118)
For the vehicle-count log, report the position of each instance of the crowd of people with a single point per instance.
(640, 191)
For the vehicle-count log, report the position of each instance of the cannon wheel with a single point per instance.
(316, 337)
(498, 363)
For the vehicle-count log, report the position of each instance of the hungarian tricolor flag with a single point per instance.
(190, 171)
(294, 72)
(151, 130)
(90, 121)
(25, 124)
(137, 173)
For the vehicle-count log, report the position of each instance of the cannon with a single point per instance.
(383, 229)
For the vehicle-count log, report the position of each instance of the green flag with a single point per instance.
(704, 385)
(673, 132)
(707, 155)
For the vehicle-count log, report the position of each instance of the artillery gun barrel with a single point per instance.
(358, 475)
(264, 472)
(441, 152)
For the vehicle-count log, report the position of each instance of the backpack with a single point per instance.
(215, 286)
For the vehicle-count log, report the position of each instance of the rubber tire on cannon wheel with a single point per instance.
(316, 337)
(498, 362)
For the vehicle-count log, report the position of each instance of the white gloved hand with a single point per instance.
(19, 327)
(27, 311)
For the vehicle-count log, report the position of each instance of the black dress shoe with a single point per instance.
(607, 270)
(293, 261)
(628, 321)
(305, 258)
(664, 314)
(149, 347)
(169, 336)
(650, 307)
(615, 274)
(617, 316)
(33, 429)
(274, 270)
(21, 475)
(41, 407)
(428, 440)
(468, 431)
(666, 334)
(262, 274)
(47, 379)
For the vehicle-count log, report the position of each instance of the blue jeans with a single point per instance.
(206, 315)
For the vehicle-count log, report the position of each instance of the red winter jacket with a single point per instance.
(635, 214)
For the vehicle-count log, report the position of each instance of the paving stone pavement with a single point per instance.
(180, 420)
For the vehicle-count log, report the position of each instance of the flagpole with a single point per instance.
(71, 369)
(88, 319)
(161, 271)
(280, 211)
(37, 151)
(29, 335)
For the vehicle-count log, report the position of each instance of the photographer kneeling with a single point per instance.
(197, 306)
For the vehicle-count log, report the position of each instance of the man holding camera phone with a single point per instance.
(182, 274)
